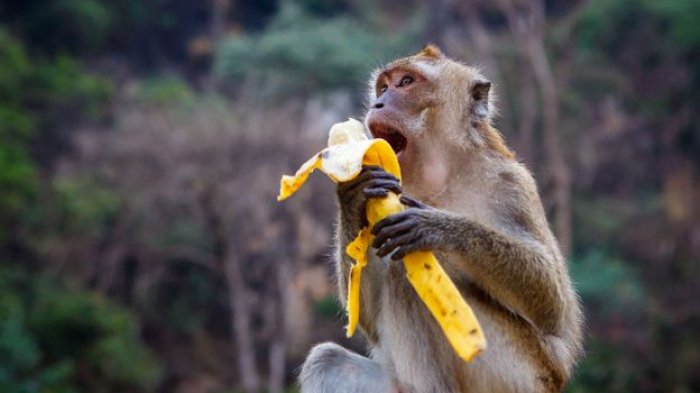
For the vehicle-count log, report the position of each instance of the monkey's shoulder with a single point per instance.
(516, 204)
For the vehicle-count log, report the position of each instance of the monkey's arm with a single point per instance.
(373, 182)
(519, 272)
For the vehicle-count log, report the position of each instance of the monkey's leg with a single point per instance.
(330, 368)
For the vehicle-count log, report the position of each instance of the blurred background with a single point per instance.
(141, 145)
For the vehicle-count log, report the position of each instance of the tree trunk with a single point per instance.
(527, 116)
(278, 348)
(479, 37)
(278, 364)
(239, 298)
(241, 325)
(219, 11)
(557, 170)
(526, 21)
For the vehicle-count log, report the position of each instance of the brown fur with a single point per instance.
(489, 232)
(495, 142)
(431, 51)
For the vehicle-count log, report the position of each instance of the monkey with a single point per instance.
(470, 201)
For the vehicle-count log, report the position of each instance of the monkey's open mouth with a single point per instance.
(395, 138)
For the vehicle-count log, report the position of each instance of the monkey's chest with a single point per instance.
(412, 345)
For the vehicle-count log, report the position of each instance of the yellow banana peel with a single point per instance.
(348, 150)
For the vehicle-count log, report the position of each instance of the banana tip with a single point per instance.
(349, 333)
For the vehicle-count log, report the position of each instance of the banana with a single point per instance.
(348, 150)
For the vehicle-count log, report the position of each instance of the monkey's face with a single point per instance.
(431, 110)
(400, 107)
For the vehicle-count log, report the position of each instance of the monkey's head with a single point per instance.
(428, 104)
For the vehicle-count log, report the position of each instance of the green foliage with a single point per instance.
(75, 26)
(605, 369)
(602, 20)
(612, 291)
(17, 179)
(650, 35)
(85, 204)
(47, 85)
(165, 89)
(37, 95)
(14, 68)
(29, 87)
(299, 53)
(324, 7)
(607, 281)
(48, 332)
(598, 220)
(17, 171)
(606, 25)
(62, 85)
(81, 24)
(182, 299)
(328, 308)
(679, 18)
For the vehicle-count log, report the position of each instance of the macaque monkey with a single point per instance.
(478, 209)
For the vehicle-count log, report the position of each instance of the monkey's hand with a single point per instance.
(415, 229)
(372, 182)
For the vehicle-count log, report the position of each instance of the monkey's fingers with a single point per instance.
(349, 191)
(389, 185)
(387, 233)
(409, 247)
(390, 221)
(378, 169)
(411, 202)
(349, 185)
(376, 193)
(403, 242)
(363, 177)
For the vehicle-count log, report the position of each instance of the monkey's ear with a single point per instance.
(432, 51)
(480, 98)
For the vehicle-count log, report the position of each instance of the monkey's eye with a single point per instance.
(406, 80)
(383, 88)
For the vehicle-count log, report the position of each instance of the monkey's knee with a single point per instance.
(330, 368)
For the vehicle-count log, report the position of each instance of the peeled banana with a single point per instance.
(348, 150)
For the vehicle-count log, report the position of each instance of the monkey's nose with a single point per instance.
(378, 105)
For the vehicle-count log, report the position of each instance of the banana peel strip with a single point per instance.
(349, 149)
